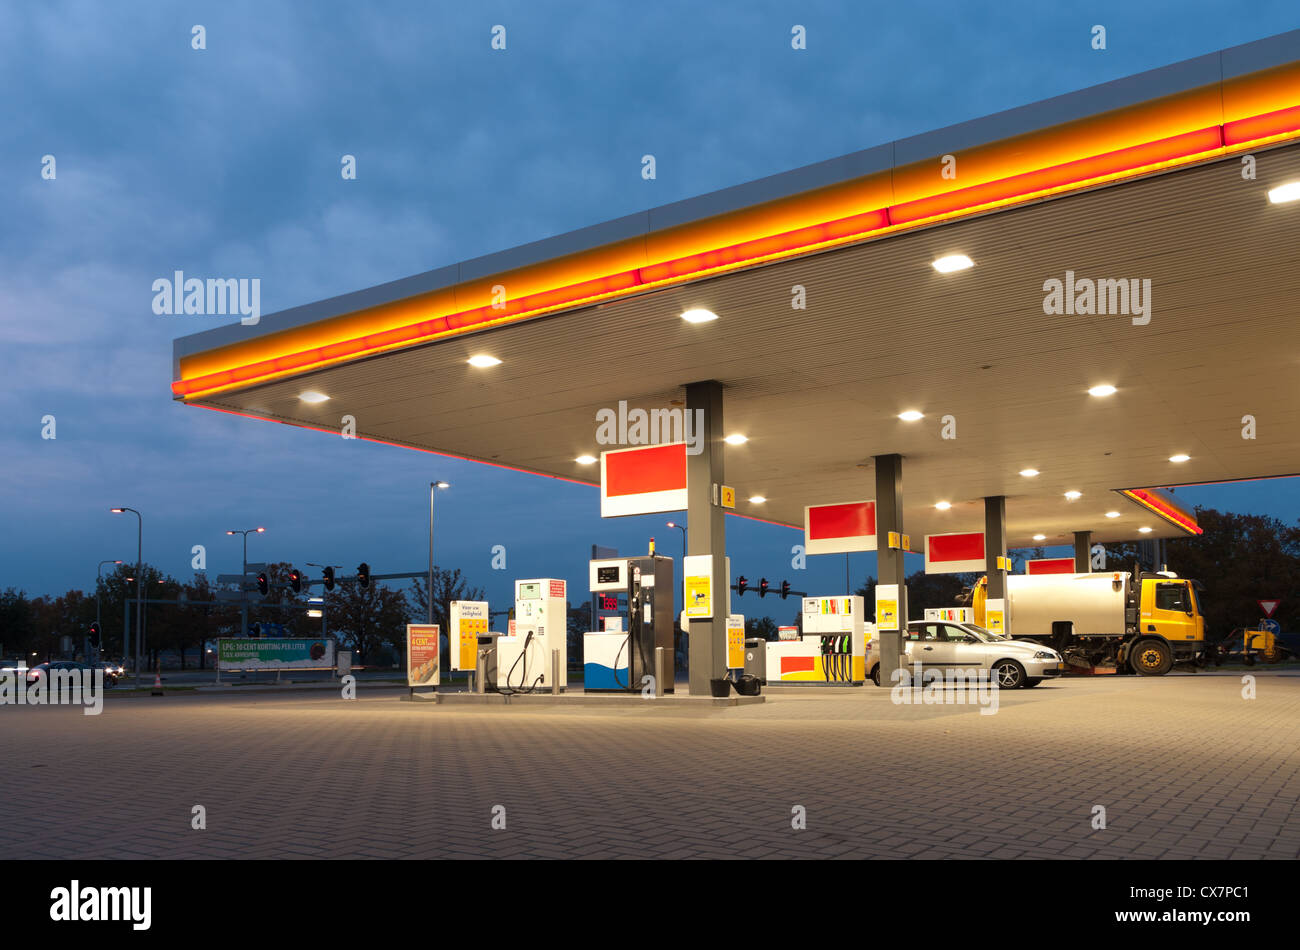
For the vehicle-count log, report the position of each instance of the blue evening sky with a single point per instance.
(225, 162)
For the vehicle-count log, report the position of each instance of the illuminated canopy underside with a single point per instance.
(817, 391)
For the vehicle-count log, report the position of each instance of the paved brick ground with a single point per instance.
(1184, 766)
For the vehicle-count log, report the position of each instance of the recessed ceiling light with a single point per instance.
(312, 396)
(1104, 390)
(585, 459)
(1073, 494)
(943, 505)
(757, 499)
(1144, 530)
(698, 315)
(1283, 193)
(1029, 472)
(1180, 457)
(736, 439)
(482, 361)
(1040, 537)
(911, 415)
(953, 262)
(1112, 514)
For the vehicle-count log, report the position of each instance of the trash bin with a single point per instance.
(756, 658)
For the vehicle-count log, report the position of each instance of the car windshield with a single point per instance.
(984, 634)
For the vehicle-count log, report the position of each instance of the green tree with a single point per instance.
(447, 586)
(17, 630)
(364, 619)
(1241, 559)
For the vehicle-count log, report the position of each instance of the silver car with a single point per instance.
(944, 645)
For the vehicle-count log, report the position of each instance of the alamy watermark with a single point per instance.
(1104, 296)
(215, 296)
(53, 688)
(932, 687)
(656, 427)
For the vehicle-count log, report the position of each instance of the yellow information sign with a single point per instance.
(735, 642)
(471, 628)
(887, 614)
(728, 497)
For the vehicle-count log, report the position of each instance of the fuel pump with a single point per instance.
(541, 625)
(619, 660)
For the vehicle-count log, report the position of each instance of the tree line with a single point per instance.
(365, 620)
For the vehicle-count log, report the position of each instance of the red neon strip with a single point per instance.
(1280, 122)
(1057, 176)
(1159, 507)
(1168, 149)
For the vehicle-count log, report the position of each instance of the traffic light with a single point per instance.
(295, 580)
(742, 585)
(329, 578)
(363, 575)
(263, 584)
(94, 634)
(785, 589)
(762, 587)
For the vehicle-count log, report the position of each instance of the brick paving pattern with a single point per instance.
(1184, 766)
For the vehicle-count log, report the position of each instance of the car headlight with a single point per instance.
(1045, 655)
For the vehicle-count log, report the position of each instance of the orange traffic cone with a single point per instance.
(157, 684)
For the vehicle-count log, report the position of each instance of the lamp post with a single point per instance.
(139, 583)
(682, 529)
(243, 602)
(433, 488)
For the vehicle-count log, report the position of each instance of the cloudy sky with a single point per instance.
(225, 161)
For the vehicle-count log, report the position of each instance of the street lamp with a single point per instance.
(139, 583)
(682, 529)
(99, 576)
(243, 602)
(433, 486)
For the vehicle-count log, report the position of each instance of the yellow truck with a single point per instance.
(1143, 622)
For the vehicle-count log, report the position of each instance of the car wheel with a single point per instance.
(875, 674)
(1151, 658)
(1032, 682)
(1009, 674)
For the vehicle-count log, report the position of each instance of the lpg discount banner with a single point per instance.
(422, 654)
(275, 654)
(643, 480)
(840, 529)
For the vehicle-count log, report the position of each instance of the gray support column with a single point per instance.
(707, 534)
(889, 561)
(1083, 552)
(995, 546)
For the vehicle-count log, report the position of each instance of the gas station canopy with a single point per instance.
(1161, 180)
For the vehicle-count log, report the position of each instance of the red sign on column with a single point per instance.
(1050, 565)
(643, 480)
(838, 529)
(954, 553)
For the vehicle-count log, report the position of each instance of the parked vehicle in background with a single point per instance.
(942, 645)
(42, 671)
